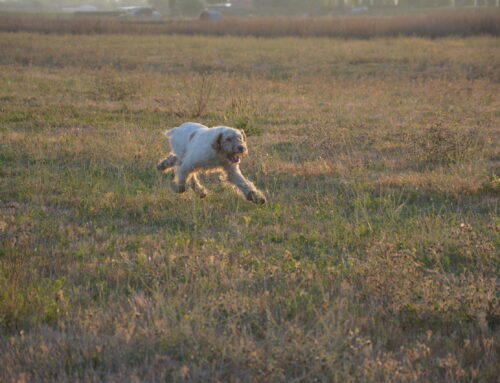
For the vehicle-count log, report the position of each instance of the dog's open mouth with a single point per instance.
(235, 158)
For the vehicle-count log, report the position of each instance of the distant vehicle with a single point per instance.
(139, 12)
(210, 15)
(359, 10)
(220, 5)
(81, 8)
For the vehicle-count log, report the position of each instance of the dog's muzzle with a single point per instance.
(235, 158)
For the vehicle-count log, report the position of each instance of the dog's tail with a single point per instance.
(169, 133)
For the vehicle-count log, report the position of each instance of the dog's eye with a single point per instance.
(228, 139)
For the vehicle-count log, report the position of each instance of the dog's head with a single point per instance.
(232, 143)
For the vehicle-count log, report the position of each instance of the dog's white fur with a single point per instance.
(197, 148)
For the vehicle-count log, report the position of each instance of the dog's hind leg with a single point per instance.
(167, 163)
(195, 184)
(178, 185)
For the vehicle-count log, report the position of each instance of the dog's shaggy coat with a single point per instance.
(197, 148)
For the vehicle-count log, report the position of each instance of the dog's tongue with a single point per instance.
(234, 159)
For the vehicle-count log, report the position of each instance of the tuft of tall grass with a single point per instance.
(444, 145)
(111, 85)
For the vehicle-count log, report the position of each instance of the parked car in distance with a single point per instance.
(139, 12)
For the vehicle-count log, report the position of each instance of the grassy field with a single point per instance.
(374, 260)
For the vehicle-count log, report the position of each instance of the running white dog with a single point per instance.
(197, 148)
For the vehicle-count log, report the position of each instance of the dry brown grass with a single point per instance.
(375, 259)
(435, 24)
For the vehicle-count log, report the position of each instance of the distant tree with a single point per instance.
(21, 6)
(191, 7)
(163, 6)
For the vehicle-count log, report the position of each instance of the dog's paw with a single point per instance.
(256, 197)
(162, 165)
(177, 188)
(202, 194)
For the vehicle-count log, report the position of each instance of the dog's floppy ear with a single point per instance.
(243, 134)
(216, 144)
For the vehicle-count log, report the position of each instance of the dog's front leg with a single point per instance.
(245, 186)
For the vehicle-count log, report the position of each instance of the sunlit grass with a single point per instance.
(374, 260)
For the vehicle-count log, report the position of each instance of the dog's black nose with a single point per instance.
(241, 148)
